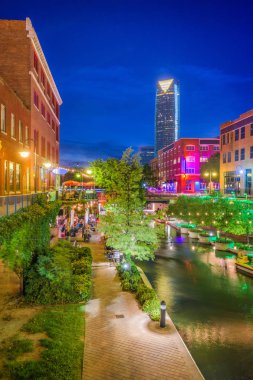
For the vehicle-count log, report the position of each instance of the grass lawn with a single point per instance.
(62, 348)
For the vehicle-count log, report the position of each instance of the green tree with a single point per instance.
(125, 224)
(211, 166)
(148, 177)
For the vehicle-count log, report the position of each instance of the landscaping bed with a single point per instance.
(47, 343)
(131, 281)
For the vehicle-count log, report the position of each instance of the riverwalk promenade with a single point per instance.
(121, 342)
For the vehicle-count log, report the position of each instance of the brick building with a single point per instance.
(179, 164)
(30, 105)
(236, 161)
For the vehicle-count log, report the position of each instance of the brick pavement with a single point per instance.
(122, 343)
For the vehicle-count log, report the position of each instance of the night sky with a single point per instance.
(107, 55)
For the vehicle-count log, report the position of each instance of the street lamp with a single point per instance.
(25, 154)
(210, 174)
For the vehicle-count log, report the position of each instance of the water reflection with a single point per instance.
(211, 304)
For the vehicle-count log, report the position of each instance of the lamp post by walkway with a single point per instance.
(25, 154)
(210, 175)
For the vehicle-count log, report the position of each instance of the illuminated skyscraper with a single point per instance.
(167, 120)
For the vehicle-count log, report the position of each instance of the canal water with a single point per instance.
(210, 303)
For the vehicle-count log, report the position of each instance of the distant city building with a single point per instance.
(179, 164)
(30, 115)
(146, 154)
(236, 160)
(167, 118)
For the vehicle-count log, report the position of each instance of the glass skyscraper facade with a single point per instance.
(167, 119)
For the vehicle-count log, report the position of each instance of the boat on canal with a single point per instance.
(244, 265)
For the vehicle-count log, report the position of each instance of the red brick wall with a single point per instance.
(15, 57)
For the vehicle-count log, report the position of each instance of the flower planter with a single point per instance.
(184, 230)
(193, 234)
(222, 246)
(204, 239)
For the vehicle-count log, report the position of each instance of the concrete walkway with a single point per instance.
(121, 341)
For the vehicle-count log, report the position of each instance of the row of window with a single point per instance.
(193, 148)
(238, 155)
(45, 114)
(45, 84)
(239, 135)
(44, 148)
(21, 133)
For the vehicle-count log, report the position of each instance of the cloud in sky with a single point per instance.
(85, 152)
(215, 75)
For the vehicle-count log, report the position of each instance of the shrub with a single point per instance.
(61, 275)
(131, 281)
(245, 247)
(144, 294)
(152, 307)
(224, 240)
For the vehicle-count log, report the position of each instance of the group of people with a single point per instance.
(78, 226)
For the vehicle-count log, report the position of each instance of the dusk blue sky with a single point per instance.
(106, 57)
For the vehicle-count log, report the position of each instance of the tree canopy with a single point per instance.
(212, 166)
(125, 224)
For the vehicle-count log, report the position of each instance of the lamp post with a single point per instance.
(210, 174)
(25, 154)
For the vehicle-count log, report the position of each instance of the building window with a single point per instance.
(43, 146)
(243, 154)
(251, 130)
(188, 185)
(28, 179)
(251, 152)
(48, 118)
(227, 138)
(26, 134)
(243, 133)
(216, 147)
(36, 99)
(48, 89)
(190, 147)
(35, 63)
(3, 118)
(203, 147)
(20, 131)
(18, 177)
(48, 151)
(224, 158)
(11, 176)
(203, 159)
(190, 170)
(43, 110)
(236, 134)
(236, 155)
(57, 132)
(13, 129)
(190, 159)
(223, 139)
(229, 156)
(5, 176)
(42, 77)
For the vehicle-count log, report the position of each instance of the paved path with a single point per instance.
(122, 343)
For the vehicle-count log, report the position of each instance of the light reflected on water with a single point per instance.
(210, 303)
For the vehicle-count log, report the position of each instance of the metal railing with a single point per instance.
(10, 204)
